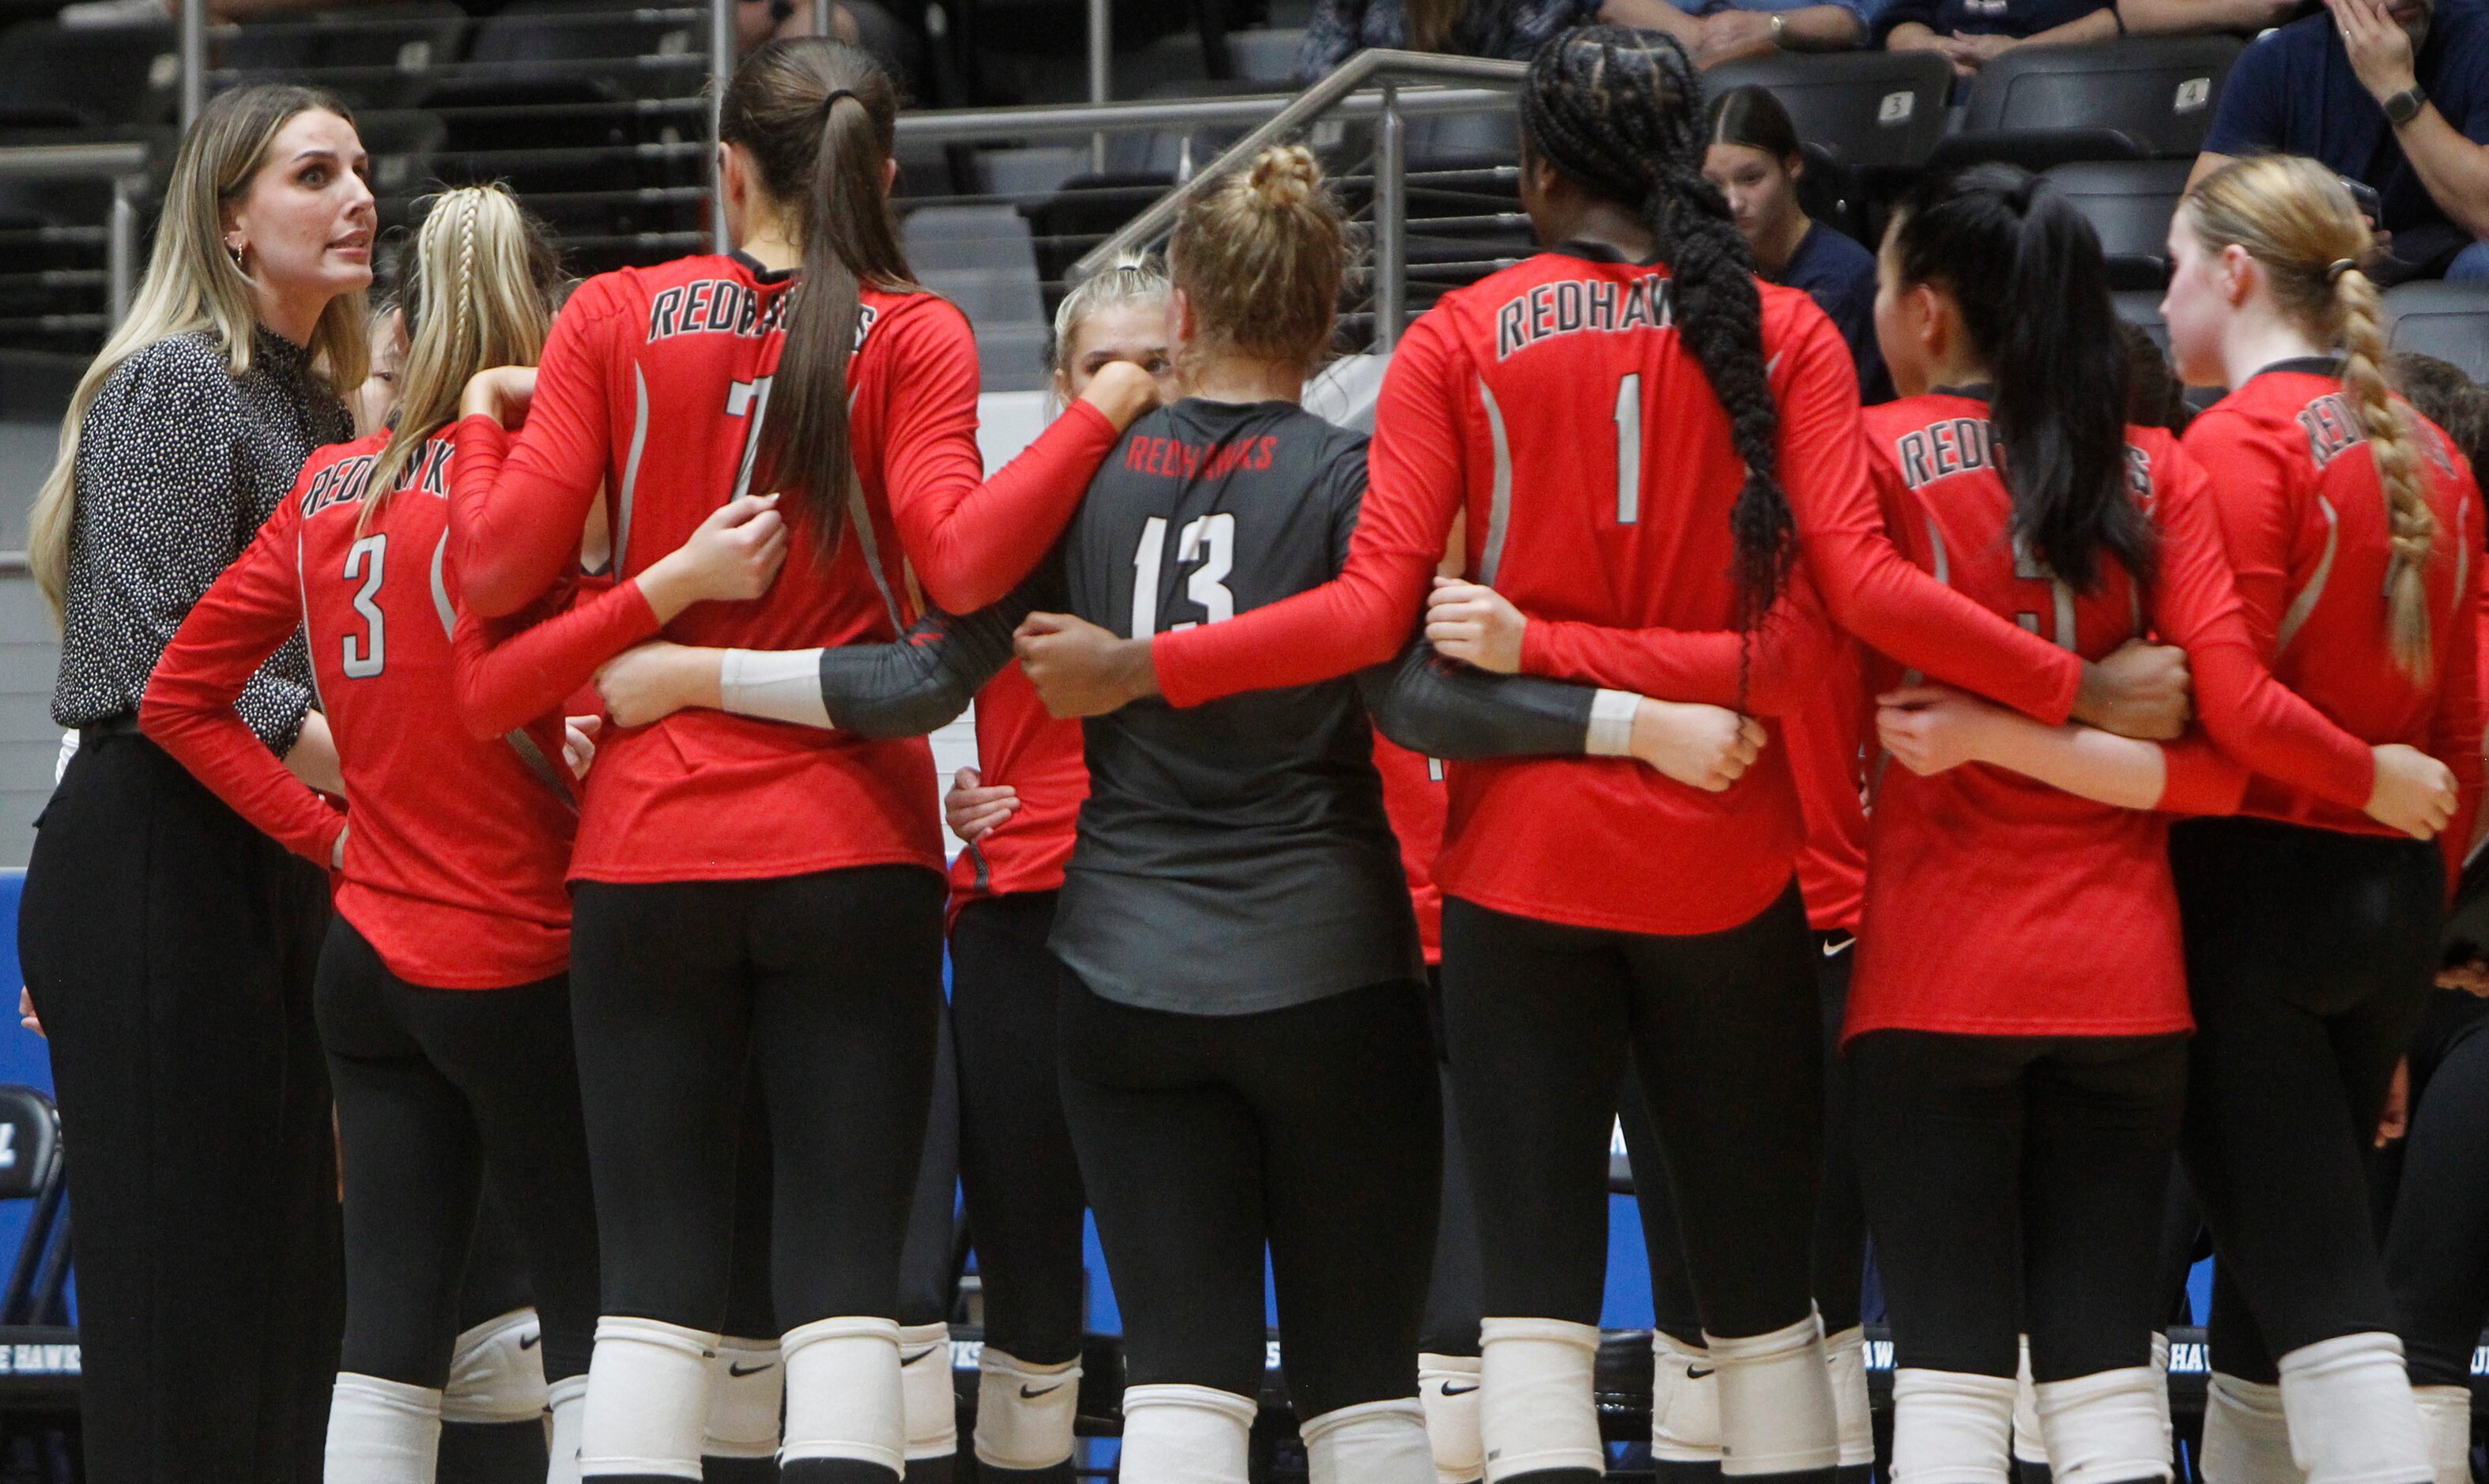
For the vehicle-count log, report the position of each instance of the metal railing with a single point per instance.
(123, 166)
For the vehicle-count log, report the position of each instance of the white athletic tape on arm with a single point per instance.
(779, 685)
(1612, 719)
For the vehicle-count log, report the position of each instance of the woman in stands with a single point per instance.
(2312, 930)
(167, 946)
(1754, 161)
(739, 882)
(441, 998)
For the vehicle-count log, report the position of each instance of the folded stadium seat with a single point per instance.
(1032, 173)
(2142, 308)
(2128, 203)
(617, 53)
(2138, 99)
(983, 259)
(2449, 321)
(101, 79)
(1086, 211)
(1345, 390)
(382, 57)
(402, 144)
(1266, 56)
(1872, 110)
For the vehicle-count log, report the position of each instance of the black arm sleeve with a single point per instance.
(1446, 709)
(927, 678)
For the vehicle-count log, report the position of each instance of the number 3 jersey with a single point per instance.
(1233, 857)
(456, 844)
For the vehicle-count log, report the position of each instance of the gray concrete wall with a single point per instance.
(30, 649)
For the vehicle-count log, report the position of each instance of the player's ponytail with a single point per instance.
(1620, 113)
(2294, 218)
(2026, 271)
(817, 121)
(1260, 256)
(478, 293)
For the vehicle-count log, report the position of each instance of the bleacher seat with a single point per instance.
(1876, 110)
(2142, 308)
(108, 78)
(2128, 203)
(567, 48)
(2138, 98)
(382, 57)
(2449, 321)
(402, 145)
(982, 258)
(1266, 56)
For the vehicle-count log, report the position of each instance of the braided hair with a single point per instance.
(1618, 112)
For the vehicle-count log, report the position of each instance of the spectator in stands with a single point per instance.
(167, 943)
(1506, 29)
(1754, 161)
(2391, 93)
(1970, 34)
(2441, 393)
(1717, 31)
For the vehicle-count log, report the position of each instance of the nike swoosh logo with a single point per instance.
(912, 1359)
(530, 1341)
(1836, 949)
(1452, 1390)
(739, 1368)
(1026, 1395)
(1692, 1374)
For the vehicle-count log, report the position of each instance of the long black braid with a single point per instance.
(1620, 113)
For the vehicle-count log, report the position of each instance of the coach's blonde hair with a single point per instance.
(194, 283)
(2294, 217)
(478, 290)
(1261, 255)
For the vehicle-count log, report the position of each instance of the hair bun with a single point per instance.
(1285, 177)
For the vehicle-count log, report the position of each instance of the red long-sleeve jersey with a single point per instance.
(1041, 757)
(1416, 797)
(1823, 736)
(1556, 404)
(1997, 905)
(453, 866)
(2303, 519)
(653, 385)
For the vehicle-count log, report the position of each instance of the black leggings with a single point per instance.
(1725, 1028)
(434, 1085)
(1839, 1208)
(1311, 1129)
(2437, 1256)
(1453, 1306)
(2310, 953)
(830, 984)
(1017, 1173)
(2019, 1181)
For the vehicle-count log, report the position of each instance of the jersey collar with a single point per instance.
(760, 275)
(2305, 366)
(1601, 252)
(1975, 391)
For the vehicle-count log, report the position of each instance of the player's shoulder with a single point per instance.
(1790, 318)
(336, 473)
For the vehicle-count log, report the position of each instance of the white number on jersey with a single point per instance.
(364, 559)
(1209, 540)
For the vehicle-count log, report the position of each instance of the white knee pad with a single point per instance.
(926, 1395)
(2106, 1427)
(2351, 1413)
(2446, 1413)
(2161, 1392)
(1448, 1389)
(1854, 1420)
(497, 1372)
(2029, 1447)
(842, 1392)
(1951, 1427)
(647, 1396)
(566, 1400)
(1534, 1405)
(1372, 1442)
(2246, 1440)
(382, 1431)
(1185, 1435)
(1684, 1402)
(1775, 1401)
(1024, 1412)
(747, 1388)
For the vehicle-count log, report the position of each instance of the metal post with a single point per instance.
(1390, 222)
(1101, 66)
(194, 60)
(721, 71)
(121, 247)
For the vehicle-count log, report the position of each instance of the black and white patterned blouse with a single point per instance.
(179, 464)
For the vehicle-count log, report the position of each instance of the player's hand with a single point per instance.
(501, 394)
(2472, 976)
(1702, 747)
(26, 1015)
(2394, 1121)
(2139, 690)
(2414, 793)
(1079, 668)
(1123, 392)
(1931, 728)
(733, 556)
(1475, 624)
(579, 742)
(972, 810)
(651, 682)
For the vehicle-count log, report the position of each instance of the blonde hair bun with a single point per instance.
(1286, 177)
(1261, 253)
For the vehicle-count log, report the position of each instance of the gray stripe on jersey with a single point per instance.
(2295, 616)
(861, 519)
(441, 587)
(1499, 517)
(631, 468)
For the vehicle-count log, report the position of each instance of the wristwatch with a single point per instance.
(2405, 105)
(1780, 29)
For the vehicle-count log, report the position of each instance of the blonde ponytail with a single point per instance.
(2294, 217)
(1261, 256)
(479, 285)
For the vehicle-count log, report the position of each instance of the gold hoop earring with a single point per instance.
(239, 268)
